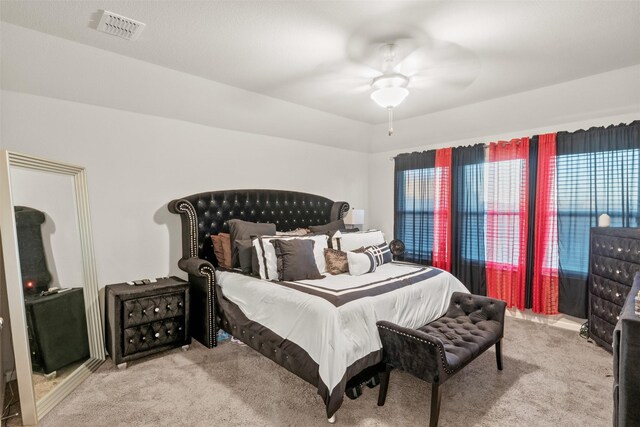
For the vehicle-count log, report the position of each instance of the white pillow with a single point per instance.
(352, 241)
(272, 261)
(360, 263)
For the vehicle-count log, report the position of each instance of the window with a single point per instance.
(472, 215)
(590, 184)
(415, 212)
(506, 187)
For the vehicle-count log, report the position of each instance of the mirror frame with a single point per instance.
(31, 410)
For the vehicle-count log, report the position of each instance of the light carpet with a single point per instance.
(551, 377)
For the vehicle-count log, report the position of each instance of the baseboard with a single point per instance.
(563, 321)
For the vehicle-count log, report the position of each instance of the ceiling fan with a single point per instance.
(390, 60)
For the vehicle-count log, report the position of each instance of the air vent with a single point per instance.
(116, 25)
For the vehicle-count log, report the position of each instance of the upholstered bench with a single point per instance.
(438, 350)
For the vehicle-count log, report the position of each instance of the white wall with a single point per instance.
(137, 163)
(381, 165)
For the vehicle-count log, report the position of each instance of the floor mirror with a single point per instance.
(50, 279)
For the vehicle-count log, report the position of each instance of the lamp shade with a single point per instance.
(389, 97)
(354, 217)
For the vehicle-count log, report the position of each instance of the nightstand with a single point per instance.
(146, 319)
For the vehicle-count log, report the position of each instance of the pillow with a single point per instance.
(336, 260)
(222, 249)
(296, 260)
(242, 230)
(244, 247)
(267, 254)
(296, 232)
(360, 264)
(351, 241)
(332, 226)
(381, 253)
(217, 249)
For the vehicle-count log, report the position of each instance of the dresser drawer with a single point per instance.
(151, 335)
(144, 310)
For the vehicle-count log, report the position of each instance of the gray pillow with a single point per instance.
(332, 226)
(296, 260)
(245, 255)
(243, 230)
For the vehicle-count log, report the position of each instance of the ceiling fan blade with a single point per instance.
(446, 63)
(367, 44)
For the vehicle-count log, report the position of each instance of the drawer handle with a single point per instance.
(144, 338)
(179, 304)
(180, 328)
(144, 311)
(157, 309)
(130, 340)
(168, 306)
(617, 317)
(169, 332)
(130, 314)
(617, 294)
(157, 335)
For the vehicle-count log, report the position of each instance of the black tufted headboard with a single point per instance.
(204, 214)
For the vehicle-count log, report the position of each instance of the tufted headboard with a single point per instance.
(204, 214)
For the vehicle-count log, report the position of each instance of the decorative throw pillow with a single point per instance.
(245, 255)
(350, 241)
(222, 249)
(360, 264)
(336, 260)
(332, 226)
(242, 230)
(217, 248)
(296, 260)
(381, 253)
(267, 254)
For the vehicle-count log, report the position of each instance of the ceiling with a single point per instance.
(297, 50)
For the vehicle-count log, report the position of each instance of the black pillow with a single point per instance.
(296, 260)
(332, 226)
(243, 230)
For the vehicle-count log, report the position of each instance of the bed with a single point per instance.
(323, 331)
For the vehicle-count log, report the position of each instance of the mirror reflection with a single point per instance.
(51, 270)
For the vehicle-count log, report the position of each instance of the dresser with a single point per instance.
(614, 262)
(146, 319)
(626, 369)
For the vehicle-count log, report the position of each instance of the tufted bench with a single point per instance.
(436, 351)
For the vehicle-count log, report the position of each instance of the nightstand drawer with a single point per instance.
(151, 335)
(144, 310)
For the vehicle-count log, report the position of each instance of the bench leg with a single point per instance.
(499, 355)
(384, 385)
(435, 405)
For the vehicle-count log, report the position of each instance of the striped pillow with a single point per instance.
(360, 264)
(380, 253)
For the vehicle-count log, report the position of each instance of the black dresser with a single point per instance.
(146, 319)
(614, 262)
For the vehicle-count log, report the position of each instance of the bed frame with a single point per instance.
(206, 214)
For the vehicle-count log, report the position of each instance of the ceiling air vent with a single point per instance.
(116, 25)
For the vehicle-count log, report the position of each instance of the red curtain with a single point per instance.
(507, 220)
(442, 217)
(545, 270)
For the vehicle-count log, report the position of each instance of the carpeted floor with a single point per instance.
(551, 377)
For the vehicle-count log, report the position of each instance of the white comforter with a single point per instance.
(337, 336)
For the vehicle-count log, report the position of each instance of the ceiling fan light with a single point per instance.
(389, 97)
